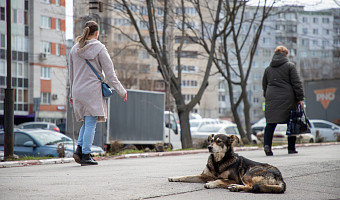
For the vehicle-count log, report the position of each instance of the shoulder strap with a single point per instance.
(93, 69)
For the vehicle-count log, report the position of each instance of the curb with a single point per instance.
(9, 164)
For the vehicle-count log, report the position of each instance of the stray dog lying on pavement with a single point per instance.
(227, 169)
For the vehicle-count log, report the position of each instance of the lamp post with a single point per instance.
(9, 92)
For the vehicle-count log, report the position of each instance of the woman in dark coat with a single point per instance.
(283, 91)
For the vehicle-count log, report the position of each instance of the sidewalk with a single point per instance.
(23, 163)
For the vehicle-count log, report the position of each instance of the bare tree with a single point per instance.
(237, 46)
(159, 32)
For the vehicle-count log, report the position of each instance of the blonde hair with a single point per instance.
(281, 49)
(89, 29)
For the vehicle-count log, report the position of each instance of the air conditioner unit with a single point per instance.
(54, 96)
(42, 56)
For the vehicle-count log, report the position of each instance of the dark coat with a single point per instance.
(282, 89)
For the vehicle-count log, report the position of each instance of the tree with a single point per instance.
(237, 47)
(159, 30)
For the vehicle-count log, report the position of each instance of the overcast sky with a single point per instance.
(309, 5)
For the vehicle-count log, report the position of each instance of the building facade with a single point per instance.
(135, 68)
(38, 60)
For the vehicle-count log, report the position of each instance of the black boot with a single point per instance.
(291, 144)
(268, 150)
(78, 155)
(87, 160)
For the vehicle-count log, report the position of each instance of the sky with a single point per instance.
(309, 5)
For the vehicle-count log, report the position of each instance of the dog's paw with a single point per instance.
(210, 185)
(232, 188)
(173, 179)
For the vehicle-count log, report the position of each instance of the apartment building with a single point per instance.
(38, 59)
(135, 68)
(312, 38)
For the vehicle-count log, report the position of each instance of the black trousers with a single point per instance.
(268, 136)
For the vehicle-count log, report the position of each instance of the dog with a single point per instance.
(226, 169)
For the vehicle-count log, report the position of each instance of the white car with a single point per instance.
(280, 136)
(258, 126)
(226, 128)
(195, 124)
(324, 130)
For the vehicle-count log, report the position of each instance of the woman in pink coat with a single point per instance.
(85, 87)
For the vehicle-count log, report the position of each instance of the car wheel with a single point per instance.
(311, 140)
(254, 142)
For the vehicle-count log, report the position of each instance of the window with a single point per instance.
(2, 41)
(15, 16)
(187, 54)
(188, 69)
(143, 25)
(221, 98)
(189, 83)
(325, 31)
(143, 54)
(266, 40)
(315, 31)
(315, 20)
(315, 42)
(325, 20)
(304, 19)
(321, 125)
(57, 24)
(159, 85)
(57, 2)
(45, 22)
(57, 49)
(2, 13)
(3, 68)
(305, 31)
(325, 43)
(20, 139)
(305, 42)
(45, 98)
(45, 1)
(45, 47)
(143, 10)
(45, 73)
(160, 11)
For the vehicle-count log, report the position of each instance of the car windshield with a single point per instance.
(194, 124)
(50, 138)
(209, 128)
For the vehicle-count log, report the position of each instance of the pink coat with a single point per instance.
(85, 87)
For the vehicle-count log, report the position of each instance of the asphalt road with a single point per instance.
(314, 173)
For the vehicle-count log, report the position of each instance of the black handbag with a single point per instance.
(298, 122)
(106, 90)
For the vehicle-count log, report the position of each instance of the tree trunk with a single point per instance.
(185, 128)
(246, 112)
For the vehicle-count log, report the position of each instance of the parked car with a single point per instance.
(41, 125)
(195, 124)
(280, 136)
(258, 126)
(324, 130)
(223, 128)
(42, 143)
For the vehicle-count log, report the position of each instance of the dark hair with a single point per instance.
(89, 29)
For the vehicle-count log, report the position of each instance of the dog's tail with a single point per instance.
(266, 188)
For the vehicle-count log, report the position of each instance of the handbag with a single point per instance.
(106, 90)
(298, 122)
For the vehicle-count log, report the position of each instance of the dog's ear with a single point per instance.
(211, 137)
(232, 138)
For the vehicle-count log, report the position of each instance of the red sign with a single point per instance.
(325, 96)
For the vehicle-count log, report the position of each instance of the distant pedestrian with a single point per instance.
(85, 88)
(283, 91)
